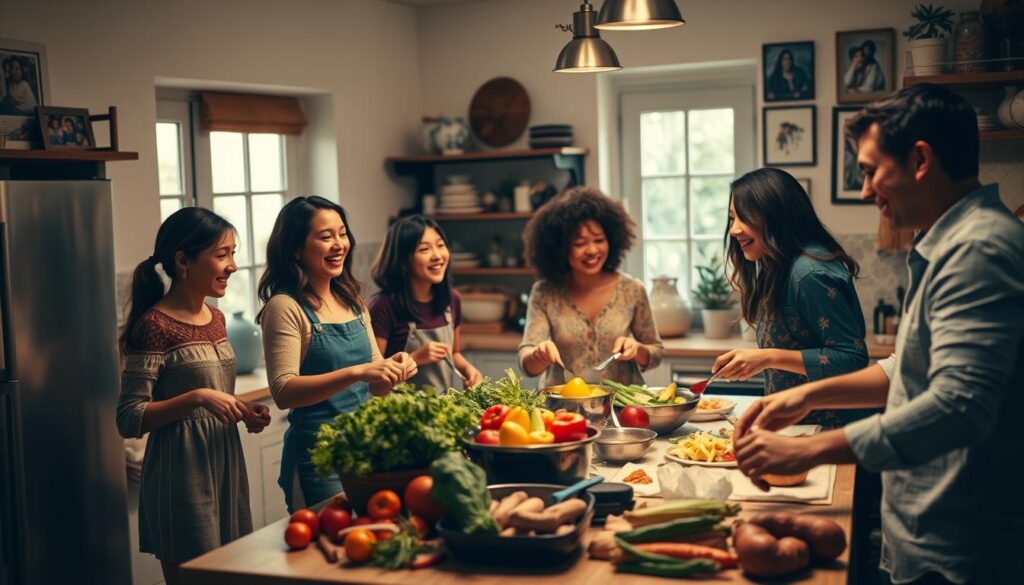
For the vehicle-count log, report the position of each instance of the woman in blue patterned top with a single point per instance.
(796, 286)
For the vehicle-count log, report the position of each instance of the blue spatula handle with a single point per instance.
(572, 490)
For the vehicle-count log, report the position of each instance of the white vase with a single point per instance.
(671, 315)
(717, 323)
(1003, 112)
(927, 56)
(1017, 109)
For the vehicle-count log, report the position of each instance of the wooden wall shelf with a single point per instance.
(490, 155)
(968, 80)
(492, 271)
(57, 165)
(1001, 134)
(443, 217)
(69, 155)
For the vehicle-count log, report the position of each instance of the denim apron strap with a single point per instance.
(332, 346)
(437, 375)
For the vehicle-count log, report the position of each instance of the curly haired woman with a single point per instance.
(583, 309)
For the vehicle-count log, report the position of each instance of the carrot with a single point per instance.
(685, 550)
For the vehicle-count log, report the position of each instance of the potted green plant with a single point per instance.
(927, 38)
(714, 294)
(389, 441)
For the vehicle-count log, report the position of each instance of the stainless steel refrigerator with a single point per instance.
(63, 516)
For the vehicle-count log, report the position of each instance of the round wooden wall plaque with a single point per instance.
(499, 112)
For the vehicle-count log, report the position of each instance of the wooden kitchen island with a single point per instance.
(262, 558)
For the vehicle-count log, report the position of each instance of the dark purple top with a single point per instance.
(388, 326)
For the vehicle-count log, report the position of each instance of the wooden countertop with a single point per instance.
(692, 345)
(262, 558)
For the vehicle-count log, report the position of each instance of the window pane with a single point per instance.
(168, 158)
(711, 141)
(709, 200)
(665, 207)
(233, 209)
(667, 259)
(265, 162)
(264, 213)
(662, 143)
(238, 295)
(702, 252)
(168, 205)
(227, 161)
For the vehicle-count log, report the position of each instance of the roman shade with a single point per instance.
(240, 112)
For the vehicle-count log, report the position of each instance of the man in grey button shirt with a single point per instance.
(950, 443)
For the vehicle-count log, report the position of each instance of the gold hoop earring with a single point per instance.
(184, 273)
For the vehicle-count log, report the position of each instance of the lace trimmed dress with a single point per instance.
(194, 493)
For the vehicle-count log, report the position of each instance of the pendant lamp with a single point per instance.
(586, 52)
(638, 15)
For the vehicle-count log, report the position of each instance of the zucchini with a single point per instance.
(666, 531)
(676, 569)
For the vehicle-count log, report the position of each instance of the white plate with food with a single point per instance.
(712, 408)
(704, 449)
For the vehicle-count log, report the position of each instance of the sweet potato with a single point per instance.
(550, 518)
(824, 537)
(508, 503)
(763, 555)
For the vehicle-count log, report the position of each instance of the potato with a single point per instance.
(763, 555)
(825, 538)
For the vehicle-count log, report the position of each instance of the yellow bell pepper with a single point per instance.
(520, 416)
(512, 434)
(541, 438)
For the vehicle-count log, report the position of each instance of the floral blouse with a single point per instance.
(583, 343)
(821, 318)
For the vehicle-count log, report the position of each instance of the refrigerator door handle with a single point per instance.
(6, 325)
(11, 517)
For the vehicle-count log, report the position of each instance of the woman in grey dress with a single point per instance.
(178, 385)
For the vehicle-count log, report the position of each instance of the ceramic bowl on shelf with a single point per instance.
(459, 179)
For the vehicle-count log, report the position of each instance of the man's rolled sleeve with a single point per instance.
(870, 444)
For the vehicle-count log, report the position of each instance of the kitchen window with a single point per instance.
(244, 177)
(681, 149)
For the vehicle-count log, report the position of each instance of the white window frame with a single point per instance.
(183, 109)
(178, 113)
(737, 95)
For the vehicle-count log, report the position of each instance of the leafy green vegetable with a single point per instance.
(461, 487)
(507, 391)
(401, 549)
(407, 429)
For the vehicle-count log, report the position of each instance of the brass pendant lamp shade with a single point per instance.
(586, 52)
(638, 15)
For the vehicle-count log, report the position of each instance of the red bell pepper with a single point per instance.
(488, 437)
(494, 417)
(569, 426)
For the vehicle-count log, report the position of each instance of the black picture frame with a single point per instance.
(72, 132)
(802, 53)
(882, 42)
(842, 165)
(774, 134)
(18, 108)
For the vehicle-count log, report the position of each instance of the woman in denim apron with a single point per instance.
(417, 312)
(321, 358)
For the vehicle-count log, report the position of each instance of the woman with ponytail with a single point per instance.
(178, 385)
(322, 359)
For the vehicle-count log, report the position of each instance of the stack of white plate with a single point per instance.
(464, 260)
(986, 123)
(461, 198)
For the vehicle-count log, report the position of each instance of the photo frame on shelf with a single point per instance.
(789, 136)
(788, 71)
(865, 65)
(847, 176)
(806, 184)
(65, 128)
(24, 84)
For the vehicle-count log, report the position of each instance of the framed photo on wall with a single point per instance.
(790, 136)
(24, 84)
(788, 71)
(65, 128)
(847, 177)
(865, 65)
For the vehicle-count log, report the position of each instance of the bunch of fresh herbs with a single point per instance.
(407, 429)
(508, 391)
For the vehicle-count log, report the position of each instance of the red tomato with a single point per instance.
(363, 521)
(383, 535)
(341, 501)
(421, 525)
(418, 499)
(569, 426)
(383, 505)
(298, 535)
(333, 520)
(494, 417)
(307, 517)
(632, 416)
(488, 437)
(359, 545)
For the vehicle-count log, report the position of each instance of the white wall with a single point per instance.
(461, 46)
(112, 52)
